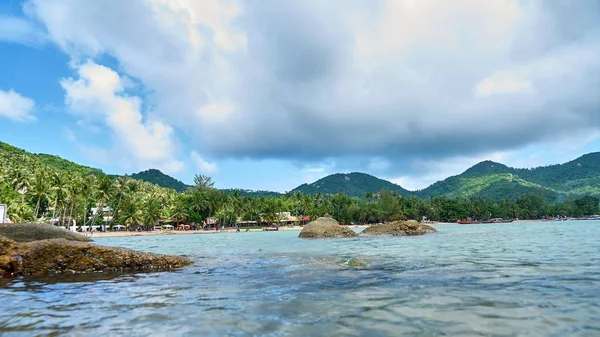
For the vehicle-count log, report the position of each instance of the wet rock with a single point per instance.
(9, 257)
(325, 227)
(56, 256)
(353, 262)
(399, 228)
(33, 232)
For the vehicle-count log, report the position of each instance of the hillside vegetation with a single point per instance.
(352, 184)
(155, 176)
(495, 181)
(44, 188)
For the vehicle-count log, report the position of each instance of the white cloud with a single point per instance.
(314, 170)
(203, 165)
(503, 83)
(16, 107)
(396, 82)
(21, 30)
(98, 96)
(69, 134)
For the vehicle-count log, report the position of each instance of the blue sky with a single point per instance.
(269, 95)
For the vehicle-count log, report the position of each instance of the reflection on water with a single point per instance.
(499, 280)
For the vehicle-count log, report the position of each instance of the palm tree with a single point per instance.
(151, 211)
(130, 214)
(59, 191)
(19, 211)
(104, 191)
(40, 190)
(179, 212)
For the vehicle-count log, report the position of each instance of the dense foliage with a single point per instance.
(156, 177)
(494, 181)
(352, 184)
(35, 189)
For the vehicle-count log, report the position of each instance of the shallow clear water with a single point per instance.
(532, 279)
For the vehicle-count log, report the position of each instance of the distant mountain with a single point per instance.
(156, 177)
(353, 184)
(496, 181)
(488, 179)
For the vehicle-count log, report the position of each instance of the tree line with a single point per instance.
(36, 192)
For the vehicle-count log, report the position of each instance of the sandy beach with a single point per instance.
(174, 232)
(232, 230)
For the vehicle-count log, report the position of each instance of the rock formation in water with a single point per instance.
(38, 255)
(33, 232)
(399, 228)
(325, 227)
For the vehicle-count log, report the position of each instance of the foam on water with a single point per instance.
(529, 279)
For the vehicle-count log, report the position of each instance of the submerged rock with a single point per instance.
(326, 228)
(55, 256)
(33, 232)
(353, 262)
(399, 228)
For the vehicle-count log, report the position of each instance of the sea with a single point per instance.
(516, 279)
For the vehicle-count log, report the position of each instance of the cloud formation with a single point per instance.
(20, 30)
(384, 82)
(98, 95)
(16, 107)
(203, 165)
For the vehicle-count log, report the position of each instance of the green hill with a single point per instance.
(488, 180)
(55, 162)
(495, 181)
(353, 184)
(156, 177)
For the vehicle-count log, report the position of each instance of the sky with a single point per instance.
(269, 94)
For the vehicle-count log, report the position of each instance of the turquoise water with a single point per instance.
(531, 279)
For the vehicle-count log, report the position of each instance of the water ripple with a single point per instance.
(487, 280)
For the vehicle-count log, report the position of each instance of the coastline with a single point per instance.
(189, 232)
(204, 232)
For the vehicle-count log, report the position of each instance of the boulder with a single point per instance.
(55, 256)
(325, 228)
(33, 232)
(9, 258)
(399, 228)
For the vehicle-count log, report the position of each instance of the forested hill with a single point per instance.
(488, 180)
(353, 184)
(50, 160)
(495, 181)
(156, 177)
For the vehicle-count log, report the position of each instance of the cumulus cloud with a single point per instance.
(388, 83)
(203, 165)
(99, 95)
(16, 107)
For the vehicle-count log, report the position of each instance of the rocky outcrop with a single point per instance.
(325, 228)
(55, 256)
(399, 228)
(34, 232)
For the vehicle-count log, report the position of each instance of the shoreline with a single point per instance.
(189, 232)
(233, 230)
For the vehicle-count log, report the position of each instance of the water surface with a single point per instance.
(532, 279)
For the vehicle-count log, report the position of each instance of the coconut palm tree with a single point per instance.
(40, 191)
(104, 192)
(59, 189)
